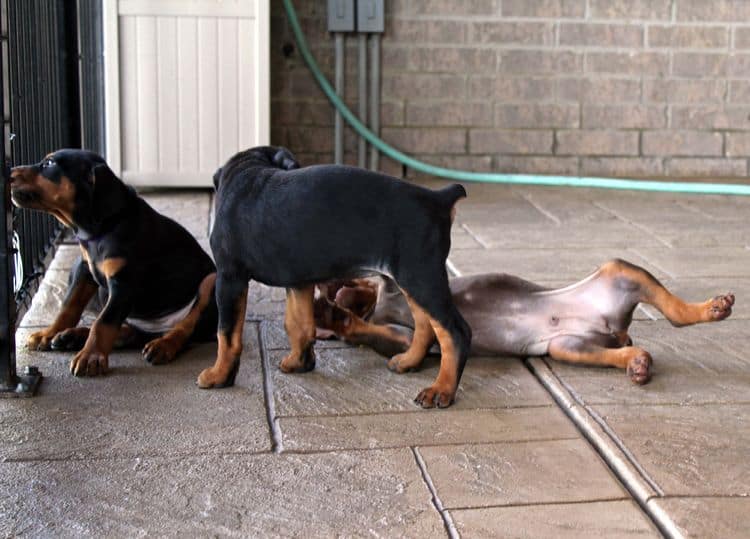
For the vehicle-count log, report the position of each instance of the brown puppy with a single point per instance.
(586, 322)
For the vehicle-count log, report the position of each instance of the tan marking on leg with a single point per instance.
(93, 359)
(299, 323)
(228, 356)
(424, 336)
(443, 390)
(674, 309)
(165, 348)
(85, 255)
(69, 315)
(332, 319)
(363, 332)
(111, 266)
(635, 360)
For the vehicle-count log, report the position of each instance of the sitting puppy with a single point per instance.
(586, 322)
(294, 227)
(149, 271)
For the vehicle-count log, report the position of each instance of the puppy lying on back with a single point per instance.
(585, 322)
(293, 227)
(152, 277)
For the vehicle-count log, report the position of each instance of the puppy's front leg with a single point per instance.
(231, 299)
(81, 288)
(93, 359)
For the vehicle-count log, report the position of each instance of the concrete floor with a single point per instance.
(530, 449)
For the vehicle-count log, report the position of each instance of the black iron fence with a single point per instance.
(43, 61)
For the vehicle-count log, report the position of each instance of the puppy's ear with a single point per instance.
(284, 159)
(217, 177)
(110, 194)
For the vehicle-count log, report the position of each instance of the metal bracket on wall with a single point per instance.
(370, 16)
(370, 19)
(340, 20)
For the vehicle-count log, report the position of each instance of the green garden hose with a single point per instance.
(491, 177)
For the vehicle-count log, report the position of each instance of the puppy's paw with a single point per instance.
(160, 351)
(89, 363)
(435, 396)
(720, 307)
(639, 368)
(401, 363)
(71, 339)
(217, 378)
(40, 340)
(305, 362)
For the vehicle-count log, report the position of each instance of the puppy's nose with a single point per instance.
(16, 173)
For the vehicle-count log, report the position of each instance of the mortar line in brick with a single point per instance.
(673, 17)
(450, 527)
(640, 143)
(277, 445)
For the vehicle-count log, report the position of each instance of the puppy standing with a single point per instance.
(149, 269)
(291, 227)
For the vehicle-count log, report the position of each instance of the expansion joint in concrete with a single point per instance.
(617, 458)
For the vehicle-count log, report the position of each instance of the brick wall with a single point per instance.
(642, 88)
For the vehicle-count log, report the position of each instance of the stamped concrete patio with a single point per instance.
(530, 449)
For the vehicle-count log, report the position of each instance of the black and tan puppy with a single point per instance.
(148, 270)
(293, 227)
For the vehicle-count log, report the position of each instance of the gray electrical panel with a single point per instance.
(370, 15)
(341, 15)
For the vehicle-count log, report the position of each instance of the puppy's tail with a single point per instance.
(448, 197)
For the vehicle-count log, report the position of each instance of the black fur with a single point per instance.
(290, 227)
(164, 265)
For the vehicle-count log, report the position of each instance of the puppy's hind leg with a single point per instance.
(165, 348)
(231, 298)
(674, 309)
(299, 322)
(453, 335)
(636, 361)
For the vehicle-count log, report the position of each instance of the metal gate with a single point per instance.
(41, 111)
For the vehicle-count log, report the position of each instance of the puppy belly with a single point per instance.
(162, 324)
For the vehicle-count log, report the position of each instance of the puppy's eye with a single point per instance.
(48, 163)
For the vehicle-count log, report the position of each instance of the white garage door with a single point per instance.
(187, 86)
